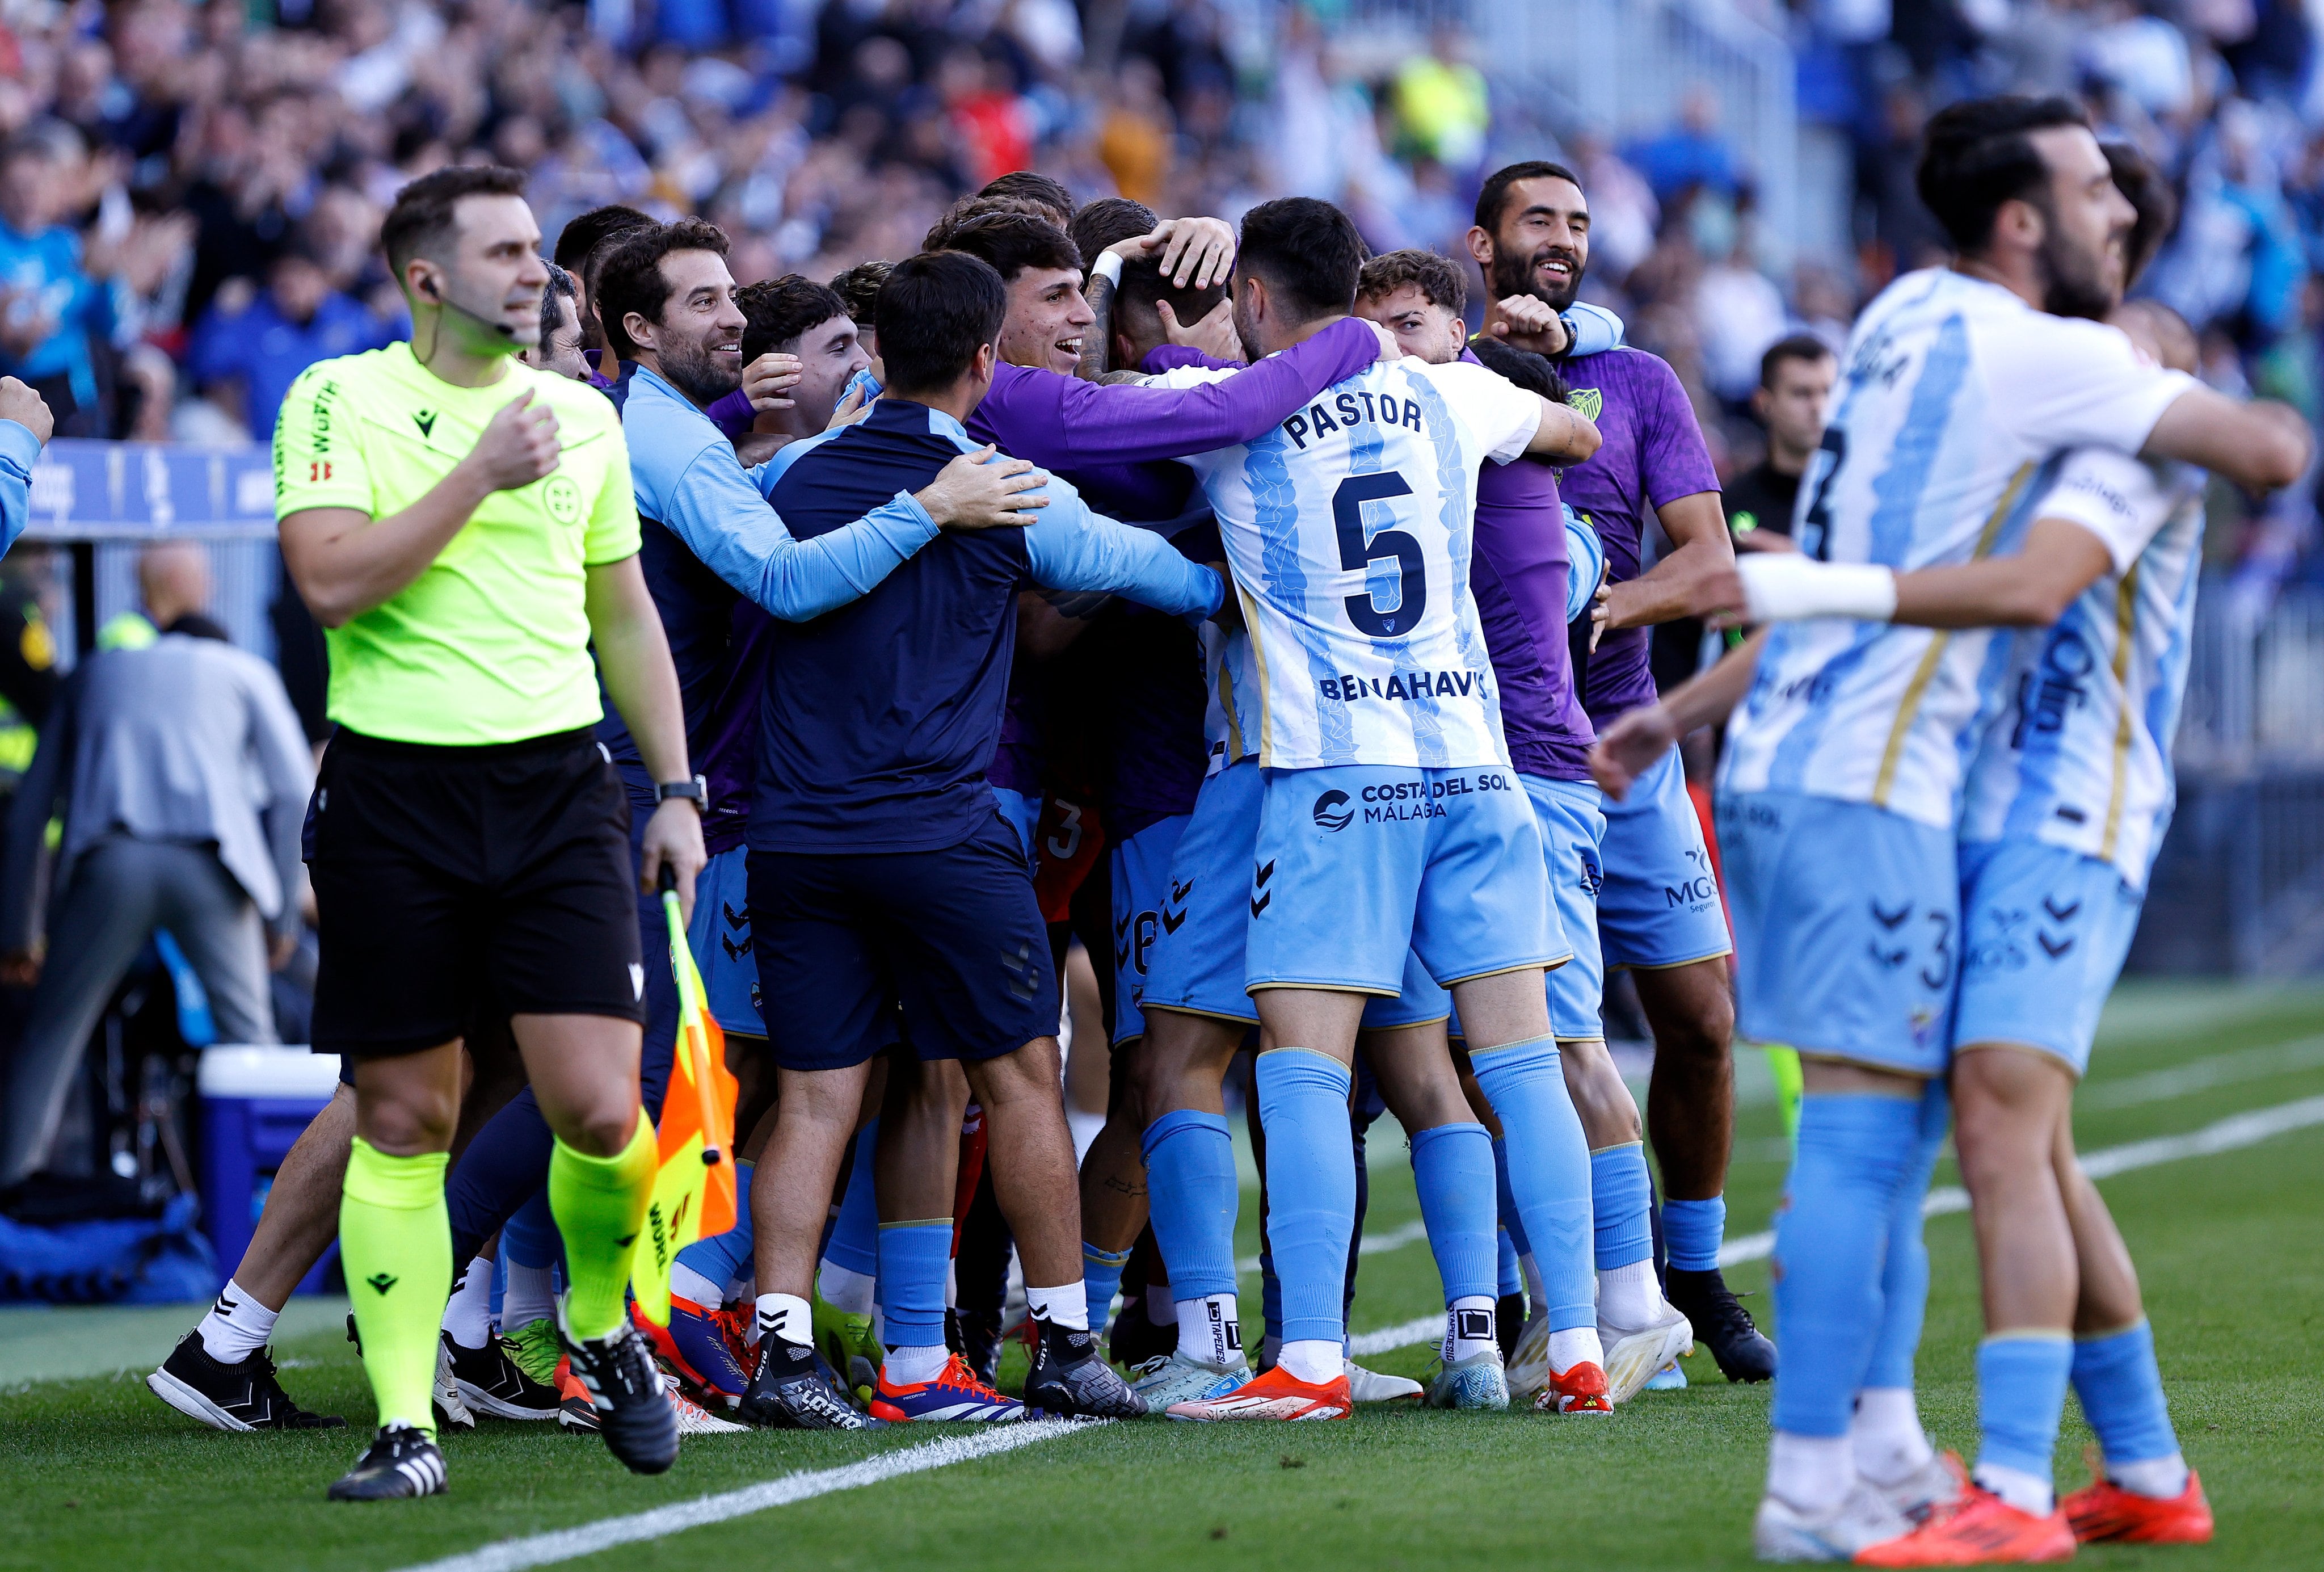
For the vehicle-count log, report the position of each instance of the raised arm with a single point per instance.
(1072, 547)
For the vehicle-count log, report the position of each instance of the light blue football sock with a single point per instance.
(2121, 1389)
(1507, 1278)
(1311, 1186)
(1693, 1232)
(2020, 1390)
(1101, 1280)
(1852, 1158)
(1621, 1199)
(1192, 1190)
(854, 1238)
(1506, 1203)
(1453, 1169)
(1548, 1166)
(914, 1259)
(1905, 1275)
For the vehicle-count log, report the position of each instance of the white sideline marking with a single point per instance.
(1420, 1329)
(2223, 1070)
(569, 1544)
(2229, 1134)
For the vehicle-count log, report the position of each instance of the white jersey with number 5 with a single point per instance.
(1955, 396)
(1348, 528)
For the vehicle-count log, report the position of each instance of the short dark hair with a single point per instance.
(561, 287)
(630, 277)
(1143, 288)
(1493, 197)
(1980, 152)
(1529, 371)
(584, 232)
(1010, 242)
(2150, 195)
(1439, 281)
(778, 311)
(1108, 221)
(1029, 186)
(424, 211)
(967, 208)
(858, 286)
(935, 310)
(1306, 250)
(1804, 347)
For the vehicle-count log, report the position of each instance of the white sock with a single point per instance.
(238, 1326)
(1629, 1296)
(1067, 1306)
(1575, 1345)
(686, 1283)
(845, 1290)
(1811, 1473)
(2026, 1491)
(788, 1318)
(531, 1295)
(468, 1313)
(908, 1366)
(1161, 1309)
(1468, 1327)
(1210, 1330)
(1885, 1435)
(2163, 1478)
(1536, 1295)
(1313, 1361)
(744, 1288)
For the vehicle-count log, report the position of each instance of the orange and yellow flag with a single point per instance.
(693, 1182)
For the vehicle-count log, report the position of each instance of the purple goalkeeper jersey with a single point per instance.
(1652, 454)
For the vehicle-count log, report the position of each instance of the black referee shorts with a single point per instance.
(454, 883)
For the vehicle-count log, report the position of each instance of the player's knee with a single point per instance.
(409, 1124)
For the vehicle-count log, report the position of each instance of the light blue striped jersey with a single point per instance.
(1956, 401)
(1349, 529)
(2079, 753)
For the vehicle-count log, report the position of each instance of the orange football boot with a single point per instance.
(2104, 1510)
(1981, 1529)
(1276, 1394)
(1579, 1388)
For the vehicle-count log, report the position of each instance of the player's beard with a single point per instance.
(2077, 283)
(690, 369)
(1512, 273)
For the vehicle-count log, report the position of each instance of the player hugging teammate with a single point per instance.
(1279, 678)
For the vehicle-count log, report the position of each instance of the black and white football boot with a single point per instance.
(793, 1389)
(490, 1382)
(241, 1396)
(1070, 1379)
(625, 1389)
(402, 1464)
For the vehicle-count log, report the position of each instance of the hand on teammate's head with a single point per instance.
(1196, 253)
(1215, 335)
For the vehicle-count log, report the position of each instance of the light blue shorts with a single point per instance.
(720, 938)
(1571, 825)
(1023, 814)
(1140, 890)
(1357, 864)
(1847, 928)
(1197, 962)
(2045, 932)
(1660, 904)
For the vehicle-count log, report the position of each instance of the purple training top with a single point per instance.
(1518, 573)
(1652, 454)
(1107, 439)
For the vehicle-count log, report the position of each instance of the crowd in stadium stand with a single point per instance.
(189, 194)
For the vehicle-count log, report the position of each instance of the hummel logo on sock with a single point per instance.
(382, 1280)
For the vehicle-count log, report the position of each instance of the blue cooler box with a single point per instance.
(255, 1103)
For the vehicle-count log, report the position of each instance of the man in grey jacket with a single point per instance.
(181, 776)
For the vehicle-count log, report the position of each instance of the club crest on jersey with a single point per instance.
(562, 498)
(1353, 408)
(1588, 403)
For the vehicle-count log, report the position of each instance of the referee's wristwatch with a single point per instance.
(694, 789)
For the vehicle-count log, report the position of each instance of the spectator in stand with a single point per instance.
(52, 311)
(247, 354)
(1694, 153)
(180, 776)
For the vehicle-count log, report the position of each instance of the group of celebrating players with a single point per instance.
(1212, 593)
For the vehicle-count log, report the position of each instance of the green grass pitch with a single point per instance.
(98, 1474)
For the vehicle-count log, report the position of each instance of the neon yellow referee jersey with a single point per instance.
(490, 642)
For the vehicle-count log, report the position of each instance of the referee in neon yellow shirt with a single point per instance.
(463, 527)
